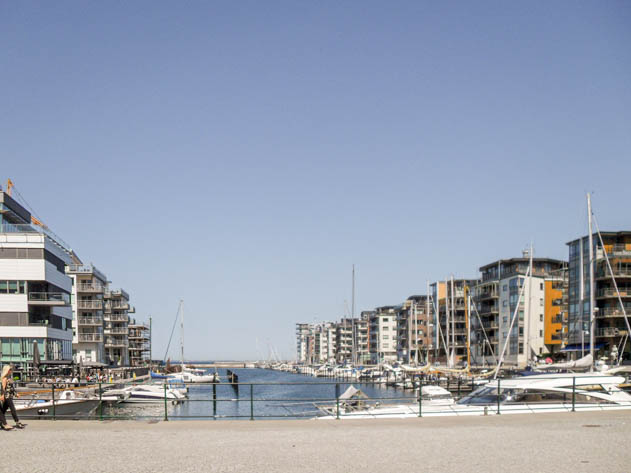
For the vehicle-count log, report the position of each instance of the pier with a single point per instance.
(580, 442)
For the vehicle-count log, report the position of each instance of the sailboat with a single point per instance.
(188, 374)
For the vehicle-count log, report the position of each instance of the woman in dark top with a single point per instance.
(6, 399)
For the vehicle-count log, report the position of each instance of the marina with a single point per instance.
(257, 393)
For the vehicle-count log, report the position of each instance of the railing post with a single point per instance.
(53, 396)
(100, 402)
(166, 417)
(574, 394)
(458, 387)
(337, 401)
(498, 396)
(420, 398)
(251, 401)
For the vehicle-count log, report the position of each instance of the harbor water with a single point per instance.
(288, 395)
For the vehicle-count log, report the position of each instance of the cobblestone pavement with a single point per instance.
(576, 442)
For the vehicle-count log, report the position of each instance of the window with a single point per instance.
(504, 303)
(12, 287)
(540, 317)
(541, 333)
(505, 288)
(386, 337)
(541, 286)
(541, 302)
(385, 319)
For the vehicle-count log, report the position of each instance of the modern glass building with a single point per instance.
(611, 328)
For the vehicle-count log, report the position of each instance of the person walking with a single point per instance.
(7, 390)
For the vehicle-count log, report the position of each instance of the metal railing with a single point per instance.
(90, 288)
(610, 332)
(49, 297)
(90, 337)
(259, 400)
(116, 331)
(93, 304)
(624, 292)
(88, 320)
(85, 269)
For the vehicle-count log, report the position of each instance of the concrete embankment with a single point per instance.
(578, 442)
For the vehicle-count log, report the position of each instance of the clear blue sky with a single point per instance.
(243, 155)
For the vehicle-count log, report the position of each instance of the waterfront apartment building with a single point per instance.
(360, 337)
(88, 288)
(382, 333)
(414, 323)
(449, 315)
(303, 331)
(316, 343)
(34, 290)
(344, 340)
(324, 342)
(115, 326)
(139, 343)
(610, 325)
(497, 297)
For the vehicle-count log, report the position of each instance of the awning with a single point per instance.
(581, 347)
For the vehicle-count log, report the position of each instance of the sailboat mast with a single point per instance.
(453, 322)
(447, 325)
(592, 321)
(529, 325)
(467, 314)
(410, 332)
(353, 338)
(182, 330)
(427, 325)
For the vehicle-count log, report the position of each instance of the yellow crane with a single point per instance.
(34, 219)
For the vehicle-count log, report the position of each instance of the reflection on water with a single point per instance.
(270, 401)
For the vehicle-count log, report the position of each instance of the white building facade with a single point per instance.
(34, 290)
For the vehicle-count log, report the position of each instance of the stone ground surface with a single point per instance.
(578, 442)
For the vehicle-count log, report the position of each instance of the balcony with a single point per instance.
(603, 293)
(90, 304)
(138, 337)
(90, 337)
(85, 269)
(617, 272)
(48, 298)
(87, 320)
(607, 332)
(95, 288)
(116, 317)
(116, 331)
(116, 305)
(609, 312)
(114, 293)
(487, 295)
(116, 343)
(616, 250)
(558, 319)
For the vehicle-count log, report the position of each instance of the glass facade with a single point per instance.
(20, 350)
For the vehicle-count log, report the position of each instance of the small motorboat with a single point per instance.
(147, 393)
(70, 404)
